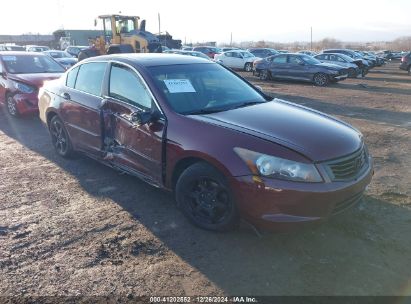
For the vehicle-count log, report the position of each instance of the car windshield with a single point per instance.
(25, 64)
(247, 54)
(203, 88)
(347, 58)
(310, 60)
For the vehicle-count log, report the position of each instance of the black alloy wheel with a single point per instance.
(321, 79)
(11, 106)
(204, 197)
(59, 137)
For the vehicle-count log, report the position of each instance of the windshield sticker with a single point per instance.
(9, 58)
(179, 86)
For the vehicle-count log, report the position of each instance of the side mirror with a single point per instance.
(141, 117)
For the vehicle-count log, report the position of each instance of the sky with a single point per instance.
(215, 20)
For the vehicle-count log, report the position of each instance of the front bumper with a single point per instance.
(27, 104)
(283, 205)
(340, 77)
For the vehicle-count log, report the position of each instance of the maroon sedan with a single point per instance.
(21, 76)
(225, 148)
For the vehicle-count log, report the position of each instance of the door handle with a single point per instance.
(66, 96)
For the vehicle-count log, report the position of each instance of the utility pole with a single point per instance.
(311, 47)
(159, 24)
(231, 39)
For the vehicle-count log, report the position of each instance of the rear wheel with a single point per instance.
(265, 75)
(203, 195)
(60, 138)
(12, 107)
(321, 79)
(248, 67)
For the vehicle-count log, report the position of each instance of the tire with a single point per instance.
(59, 138)
(265, 75)
(352, 73)
(203, 195)
(409, 70)
(248, 67)
(11, 107)
(321, 79)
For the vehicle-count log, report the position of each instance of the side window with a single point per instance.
(321, 57)
(294, 60)
(280, 59)
(71, 78)
(340, 59)
(90, 78)
(126, 86)
(229, 54)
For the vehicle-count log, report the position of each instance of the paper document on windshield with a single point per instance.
(179, 86)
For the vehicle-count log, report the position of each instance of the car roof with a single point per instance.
(149, 59)
(21, 53)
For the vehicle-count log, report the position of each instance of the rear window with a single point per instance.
(27, 64)
(90, 78)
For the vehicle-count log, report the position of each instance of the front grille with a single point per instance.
(348, 167)
(341, 206)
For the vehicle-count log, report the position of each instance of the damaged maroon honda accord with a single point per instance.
(225, 148)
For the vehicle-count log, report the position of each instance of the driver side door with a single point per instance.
(133, 147)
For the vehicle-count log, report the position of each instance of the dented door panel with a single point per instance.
(137, 147)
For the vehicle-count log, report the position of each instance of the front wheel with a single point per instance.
(60, 138)
(265, 75)
(12, 107)
(352, 73)
(248, 67)
(321, 79)
(203, 195)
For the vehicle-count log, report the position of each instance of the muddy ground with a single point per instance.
(76, 227)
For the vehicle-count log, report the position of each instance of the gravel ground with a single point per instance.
(76, 227)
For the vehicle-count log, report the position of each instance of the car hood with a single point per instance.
(36, 79)
(314, 134)
(66, 60)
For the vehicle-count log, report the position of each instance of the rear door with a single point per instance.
(132, 147)
(278, 66)
(297, 68)
(81, 108)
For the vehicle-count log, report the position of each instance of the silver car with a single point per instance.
(341, 60)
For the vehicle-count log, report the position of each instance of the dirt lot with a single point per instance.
(78, 228)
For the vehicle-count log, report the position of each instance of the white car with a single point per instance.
(237, 59)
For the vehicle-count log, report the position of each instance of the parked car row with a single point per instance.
(294, 66)
(142, 114)
(332, 65)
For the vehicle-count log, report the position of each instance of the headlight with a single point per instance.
(275, 167)
(24, 88)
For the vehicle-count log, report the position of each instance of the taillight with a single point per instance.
(403, 59)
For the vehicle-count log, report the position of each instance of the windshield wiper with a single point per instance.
(245, 104)
(221, 109)
(207, 111)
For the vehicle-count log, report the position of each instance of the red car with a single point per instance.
(21, 76)
(226, 149)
